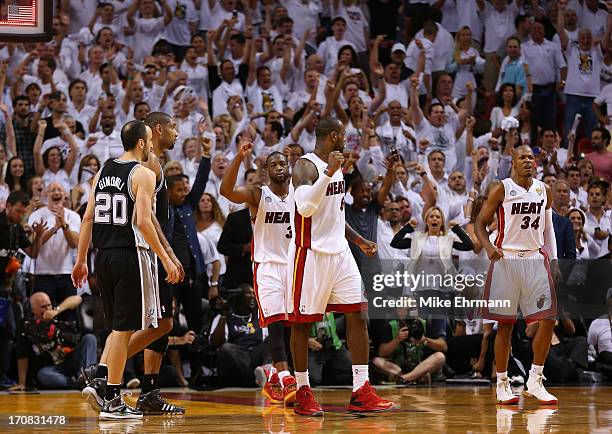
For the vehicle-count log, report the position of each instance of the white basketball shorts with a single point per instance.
(520, 280)
(322, 283)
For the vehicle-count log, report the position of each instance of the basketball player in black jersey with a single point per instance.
(155, 340)
(119, 215)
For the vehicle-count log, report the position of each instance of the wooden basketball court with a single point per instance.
(436, 410)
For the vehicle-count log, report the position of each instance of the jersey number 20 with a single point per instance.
(110, 209)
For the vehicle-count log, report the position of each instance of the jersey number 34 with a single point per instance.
(527, 222)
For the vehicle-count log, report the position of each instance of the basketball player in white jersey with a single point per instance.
(324, 273)
(269, 209)
(524, 252)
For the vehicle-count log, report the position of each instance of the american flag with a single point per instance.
(21, 13)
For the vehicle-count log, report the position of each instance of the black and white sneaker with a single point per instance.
(151, 403)
(95, 388)
(116, 408)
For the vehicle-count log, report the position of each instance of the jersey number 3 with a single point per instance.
(110, 209)
(527, 220)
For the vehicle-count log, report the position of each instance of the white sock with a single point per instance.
(360, 376)
(283, 374)
(501, 376)
(536, 370)
(272, 372)
(301, 379)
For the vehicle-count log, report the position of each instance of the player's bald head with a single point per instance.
(157, 118)
(520, 150)
(326, 126)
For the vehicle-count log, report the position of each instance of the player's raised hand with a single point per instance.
(246, 147)
(495, 253)
(79, 274)
(334, 162)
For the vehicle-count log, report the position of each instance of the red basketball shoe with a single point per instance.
(306, 404)
(366, 399)
(273, 390)
(289, 390)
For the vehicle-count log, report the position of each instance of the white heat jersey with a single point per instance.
(272, 228)
(521, 216)
(324, 230)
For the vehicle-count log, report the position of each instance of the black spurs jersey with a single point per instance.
(114, 222)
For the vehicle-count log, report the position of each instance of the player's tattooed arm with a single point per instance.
(494, 200)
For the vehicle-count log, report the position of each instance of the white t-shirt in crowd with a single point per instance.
(468, 15)
(443, 46)
(397, 92)
(328, 50)
(210, 255)
(442, 138)
(264, 100)
(499, 25)
(222, 93)
(604, 224)
(218, 14)
(147, 31)
(571, 35)
(450, 16)
(356, 23)
(107, 146)
(596, 21)
(304, 16)
(583, 70)
(544, 60)
(54, 256)
(197, 78)
(605, 97)
(177, 31)
(600, 335)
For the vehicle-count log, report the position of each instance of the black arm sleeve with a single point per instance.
(213, 77)
(243, 74)
(466, 244)
(399, 242)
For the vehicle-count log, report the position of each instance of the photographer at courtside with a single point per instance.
(52, 348)
(408, 349)
(238, 336)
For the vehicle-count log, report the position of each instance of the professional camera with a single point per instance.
(415, 327)
(55, 337)
(324, 339)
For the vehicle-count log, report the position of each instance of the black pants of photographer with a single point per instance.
(330, 366)
(7, 334)
(235, 364)
(58, 287)
(62, 375)
(460, 350)
(564, 358)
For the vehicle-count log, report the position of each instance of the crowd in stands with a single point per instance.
(433, 95)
